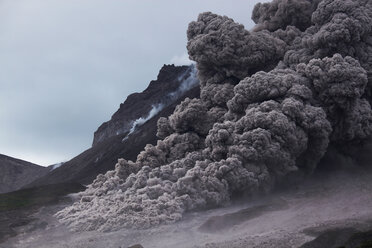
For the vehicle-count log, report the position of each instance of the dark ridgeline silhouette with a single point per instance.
(16, 173)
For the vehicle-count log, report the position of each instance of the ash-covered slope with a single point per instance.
(165, 90)
(272, 103)
(135, 115)
(15, 173)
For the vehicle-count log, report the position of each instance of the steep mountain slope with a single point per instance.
(15, 173)
(135, 116)
(160, 92)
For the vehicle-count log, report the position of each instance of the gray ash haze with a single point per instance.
(274, 101)
(66, 65)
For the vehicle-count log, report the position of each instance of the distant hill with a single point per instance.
(132, 127)
(15, 173)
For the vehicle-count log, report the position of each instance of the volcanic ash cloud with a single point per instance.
(272, 102)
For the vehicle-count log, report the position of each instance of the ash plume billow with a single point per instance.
(273, 101)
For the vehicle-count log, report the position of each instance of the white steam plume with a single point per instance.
(155, 109)
(188, 80)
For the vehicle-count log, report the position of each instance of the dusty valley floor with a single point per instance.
(285, 219)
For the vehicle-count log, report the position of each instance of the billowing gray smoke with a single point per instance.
(272, 101)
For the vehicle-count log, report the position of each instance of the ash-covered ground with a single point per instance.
(288, 218)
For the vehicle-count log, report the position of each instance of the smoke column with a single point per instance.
(273, 102)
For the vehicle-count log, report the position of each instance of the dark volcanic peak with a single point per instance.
(15, 173)
(168, 87)
(173, 85)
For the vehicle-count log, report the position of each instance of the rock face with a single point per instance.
(16, 173)
(112, 140)
(160, 92)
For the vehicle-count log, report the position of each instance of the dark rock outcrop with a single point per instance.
(15, 173)
(137, 105)
(341, 238)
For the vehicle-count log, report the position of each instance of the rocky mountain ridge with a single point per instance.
(131, 127)
(160, 92)
(15, 173)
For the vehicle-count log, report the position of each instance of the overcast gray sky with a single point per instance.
(66, 65)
